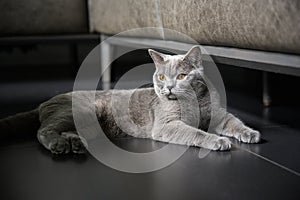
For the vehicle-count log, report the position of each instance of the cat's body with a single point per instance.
(166, 113)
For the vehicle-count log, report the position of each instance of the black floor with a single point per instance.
(270, 170)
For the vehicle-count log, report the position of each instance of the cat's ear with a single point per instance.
(158, 58)
(194, 56)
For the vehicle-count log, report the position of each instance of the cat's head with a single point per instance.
(175, 74)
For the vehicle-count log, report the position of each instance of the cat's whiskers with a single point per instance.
(201, 82)
(185, 93)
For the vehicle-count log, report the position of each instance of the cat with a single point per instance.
(176, 79)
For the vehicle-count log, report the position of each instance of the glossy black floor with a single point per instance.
(269, 170)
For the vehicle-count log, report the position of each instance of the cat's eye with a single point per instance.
(162, 77)
(181, 76)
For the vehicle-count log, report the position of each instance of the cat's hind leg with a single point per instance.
(53, 141)
(58, 140)
(78, 144)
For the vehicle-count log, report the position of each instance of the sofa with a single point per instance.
(268, 25)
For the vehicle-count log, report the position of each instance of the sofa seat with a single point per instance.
(268, 25)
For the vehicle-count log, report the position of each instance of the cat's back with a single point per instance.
(136, 96)
(139, 102)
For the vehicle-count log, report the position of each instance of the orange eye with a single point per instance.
(181, 76)
(162, 77)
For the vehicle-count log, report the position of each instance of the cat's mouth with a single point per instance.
(171, 96)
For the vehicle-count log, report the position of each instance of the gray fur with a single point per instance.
(156, 111)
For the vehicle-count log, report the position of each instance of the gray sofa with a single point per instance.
(268, 25)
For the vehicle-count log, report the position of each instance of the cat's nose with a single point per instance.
(170, 87)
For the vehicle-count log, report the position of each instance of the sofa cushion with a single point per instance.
(113, 16)
(270, 25)
(23, 17)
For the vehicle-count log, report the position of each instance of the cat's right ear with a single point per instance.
(158, 58)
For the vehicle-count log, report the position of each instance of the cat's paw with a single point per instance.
(214, 142)
(222, 144)
(250, 136)
(59, 145)
(79, 145)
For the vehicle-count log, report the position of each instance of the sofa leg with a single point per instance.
(106, 51)
(266, 90)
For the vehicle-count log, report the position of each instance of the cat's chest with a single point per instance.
(205, 115)
(196, 115)
(168, 111)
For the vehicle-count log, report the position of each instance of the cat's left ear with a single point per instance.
(194, 56)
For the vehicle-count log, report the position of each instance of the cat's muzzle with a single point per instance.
(171, 96)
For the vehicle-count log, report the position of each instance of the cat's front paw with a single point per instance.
(216, 143)
(59, 145)
(250, 136)
(222, 144)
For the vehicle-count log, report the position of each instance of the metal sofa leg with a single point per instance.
(266, 90)
(106, 51)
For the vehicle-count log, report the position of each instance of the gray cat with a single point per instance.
(166, 113)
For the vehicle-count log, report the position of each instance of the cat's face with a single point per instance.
(174, 75)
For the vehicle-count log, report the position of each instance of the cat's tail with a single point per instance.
(21, 125)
